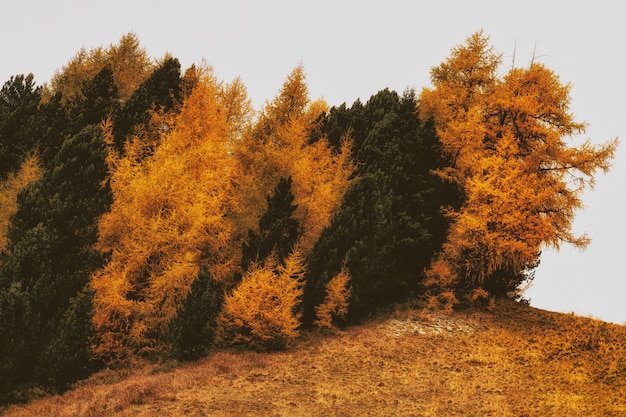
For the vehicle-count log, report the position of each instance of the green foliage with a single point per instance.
(192, 330)
(278, 229)
(68, 356)
(160, 92)
(390, 222)
(15, 313)
(19, 99)
(98, 100)
(50, 254)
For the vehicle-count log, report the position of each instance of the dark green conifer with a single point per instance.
(192, 330)
(390, 223)
(278, 229)
(19, 101)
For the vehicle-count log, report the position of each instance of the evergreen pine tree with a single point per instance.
(278, 229)
(390, 223)
(50, 255)
(160, 92)
(19, 101)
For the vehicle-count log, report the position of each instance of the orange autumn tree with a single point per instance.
(522, 182)
(168, 219)
(279, 145)
(10, 187)
(129, 62)
(263, 312)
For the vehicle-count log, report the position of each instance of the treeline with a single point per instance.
(150, 212)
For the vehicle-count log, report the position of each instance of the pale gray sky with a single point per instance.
(352, 49)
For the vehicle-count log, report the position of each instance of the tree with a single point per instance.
(9, 190)
(278, 230)
(192, 331)
(262, 312)
(158, 94)
(389, 225)
(129, 63)
(49, 254)
(506, 138)
(279, 145)
(335, 306)
(168, 218)
(49, 259)
(98, 100)
(19, 101)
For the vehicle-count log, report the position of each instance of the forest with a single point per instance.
(149, 211)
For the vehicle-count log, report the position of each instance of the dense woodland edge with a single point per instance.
(150, 212)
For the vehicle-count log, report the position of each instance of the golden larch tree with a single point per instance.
(279, 145)
(168, 218)
(129, 62)
(263, 312)
(506, 137)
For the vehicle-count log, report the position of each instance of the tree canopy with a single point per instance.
(507, 140)
(150, 212)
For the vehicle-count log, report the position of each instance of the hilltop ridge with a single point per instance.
(509, 360)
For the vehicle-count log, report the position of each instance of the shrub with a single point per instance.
(262, 312)
(335, 304)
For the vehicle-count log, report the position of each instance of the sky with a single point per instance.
(352, 49)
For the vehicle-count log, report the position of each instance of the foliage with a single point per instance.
(262, 311)
(9, 189)
(147, 214)
(334, 308)
(192, 330)
(278, 146)
(68, 357)
(49, 252)
(129, 64)
(49, 258)
(389, 224)
(156, 96)
(19, 100)
(521, 181)
(278, 230)
(168, 218)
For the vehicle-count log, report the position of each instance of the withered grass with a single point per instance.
(511, 360)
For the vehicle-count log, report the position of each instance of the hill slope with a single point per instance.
(510, 361)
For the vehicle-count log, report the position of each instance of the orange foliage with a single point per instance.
(168, 218)
(9, 189)
(262, 311)
(336, 302)
(522, 182)
(130, 64)
(278, 146)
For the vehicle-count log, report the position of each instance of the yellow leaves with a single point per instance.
(30, 171)
(169, 216)
(279, 146)
(505, 138)
(130, 64)
(262, 311)
(336, 302)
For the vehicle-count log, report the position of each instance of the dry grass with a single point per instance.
(512, 361)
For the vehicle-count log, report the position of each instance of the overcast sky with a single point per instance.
(353, 49)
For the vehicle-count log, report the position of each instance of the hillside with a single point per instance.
(511, 360)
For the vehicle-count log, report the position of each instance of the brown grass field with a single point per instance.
(510, 360)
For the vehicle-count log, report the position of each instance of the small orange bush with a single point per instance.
(262, 312)
(335, 304)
